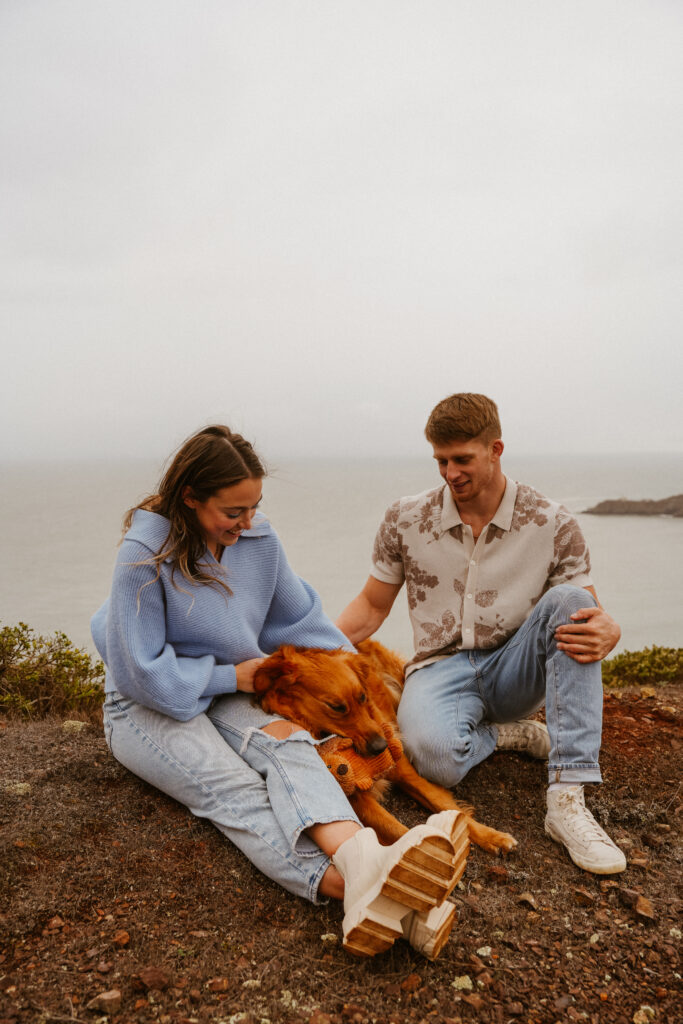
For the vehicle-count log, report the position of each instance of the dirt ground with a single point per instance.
(117, 905)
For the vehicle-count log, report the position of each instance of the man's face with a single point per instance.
(468, 467)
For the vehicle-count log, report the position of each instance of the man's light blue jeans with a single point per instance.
(448, 709)
(260, 792)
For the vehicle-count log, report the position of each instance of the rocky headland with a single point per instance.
(672, 506)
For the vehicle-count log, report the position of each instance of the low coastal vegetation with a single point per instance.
(653, 666)
(41, 676)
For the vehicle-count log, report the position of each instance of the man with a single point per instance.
(505, 619)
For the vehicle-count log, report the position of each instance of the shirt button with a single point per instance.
(470, 596)
(468, 630)
(472, 562)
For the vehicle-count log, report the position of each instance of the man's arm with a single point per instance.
(366, 613)
(591, 640)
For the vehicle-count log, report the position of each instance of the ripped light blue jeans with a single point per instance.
(260, 792)
(448, 710)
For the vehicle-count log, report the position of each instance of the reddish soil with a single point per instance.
(108, 886)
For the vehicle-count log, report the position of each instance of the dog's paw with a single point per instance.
(490, 839)
(505, 842)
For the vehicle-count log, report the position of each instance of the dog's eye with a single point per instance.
(341, 709)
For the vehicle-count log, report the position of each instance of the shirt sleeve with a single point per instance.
(130, 634)
(296, 616)
(387, 559)
(571, 558)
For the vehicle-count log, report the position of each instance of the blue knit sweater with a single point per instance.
(175, 649)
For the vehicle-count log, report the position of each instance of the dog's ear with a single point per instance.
(362, 667)
(279, 666)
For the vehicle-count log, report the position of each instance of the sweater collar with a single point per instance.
(151, 529)
(502, 517)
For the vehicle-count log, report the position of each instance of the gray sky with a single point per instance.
(313, 220)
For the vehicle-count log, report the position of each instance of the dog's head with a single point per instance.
(326, 691)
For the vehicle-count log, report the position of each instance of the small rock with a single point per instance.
(329, 938)
(462, 983)
(108, 1002)
(72, 726)
(318, 1017)
(474, 1000)
(412, 983)
(218, 984)
(498, 873)
(155, 978)
(643, 1015)
(484, 951)
(17, 788)
(350, 1010)
(121, 938)
(637, 902)
(529, 899)
(251, 983)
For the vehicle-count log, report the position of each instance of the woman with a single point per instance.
(201, 591)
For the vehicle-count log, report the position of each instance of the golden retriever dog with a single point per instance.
(356, 696)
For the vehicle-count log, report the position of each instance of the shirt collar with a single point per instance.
(502, 517)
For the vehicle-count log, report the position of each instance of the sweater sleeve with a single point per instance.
(296, 616)
(142, 663)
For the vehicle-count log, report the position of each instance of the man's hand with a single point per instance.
(591, 640)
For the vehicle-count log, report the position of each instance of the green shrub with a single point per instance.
(42, 676)
(652, 666)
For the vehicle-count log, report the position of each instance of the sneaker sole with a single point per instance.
(375, 933)
(421, 879)
(428, 936)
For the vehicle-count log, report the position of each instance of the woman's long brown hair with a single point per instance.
(211, 459)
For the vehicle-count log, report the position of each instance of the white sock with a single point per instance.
(563, 785)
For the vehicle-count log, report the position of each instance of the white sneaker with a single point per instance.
(527, 736)
(384, 883)
(569, 822)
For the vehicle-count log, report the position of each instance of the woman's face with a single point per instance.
(228, 512)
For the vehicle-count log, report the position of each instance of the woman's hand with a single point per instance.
(245, 674)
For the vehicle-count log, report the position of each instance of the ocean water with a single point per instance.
(61, 525)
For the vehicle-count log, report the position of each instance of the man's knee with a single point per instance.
(435, 750)
(446, 764)
(565, 599)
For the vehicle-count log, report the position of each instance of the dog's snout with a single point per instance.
(377, 745)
